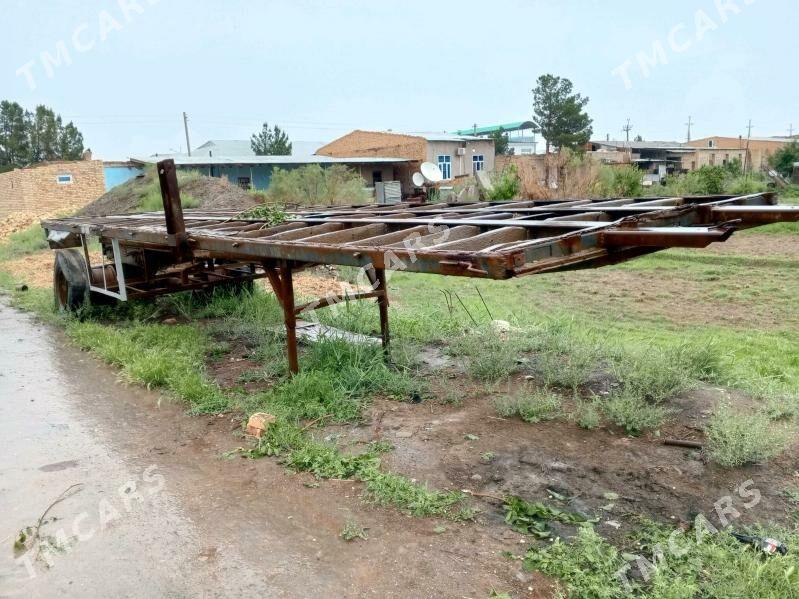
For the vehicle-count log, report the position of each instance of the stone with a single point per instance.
(258, 423)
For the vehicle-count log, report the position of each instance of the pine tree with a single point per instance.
(270, 142)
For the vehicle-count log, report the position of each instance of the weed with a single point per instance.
(587, 415)
(735, 439)
(533, 518)
(487, 456)
(718, 566)
(169, 357)
(271, 213)
(487, 355)
(571, 370)
(632, 413)
(352, 531)
(24, 242)
(532, 406)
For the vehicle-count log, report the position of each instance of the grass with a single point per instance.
(302, 453)
(632, 413)
(156, 356)
(22, 243)
(735, 438)
(530, 404)
(716, 567)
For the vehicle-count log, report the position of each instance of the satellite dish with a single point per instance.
(418, 179)
(431, 172)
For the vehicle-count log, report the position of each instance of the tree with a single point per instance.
(558, 114)
(783, 159)
(270, 142)
(501, 142)
(14, 144)
(29, 137)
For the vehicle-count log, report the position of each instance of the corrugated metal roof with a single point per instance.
(225, 147)
(275, 160)
(516, 126)
(639, 145)
(441, 136)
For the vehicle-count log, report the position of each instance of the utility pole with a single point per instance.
(689, 123)
(748, 137)
(627, 128)
(186, 129)
(790, 130)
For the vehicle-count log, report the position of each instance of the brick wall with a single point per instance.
(36, 189)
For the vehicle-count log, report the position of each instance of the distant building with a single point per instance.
(255, 172)
(455, 154)
(49, 187)
(660, 158)
(760, 148)
(521, 137)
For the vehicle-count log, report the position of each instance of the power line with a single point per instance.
(627, 128)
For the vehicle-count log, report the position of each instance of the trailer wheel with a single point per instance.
(70, 282)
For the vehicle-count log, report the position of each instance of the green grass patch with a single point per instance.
(301, 453)
(157, 356)
(24, 242)
(717, 566)
(530, 404)
(736, 438)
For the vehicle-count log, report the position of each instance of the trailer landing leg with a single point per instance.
(280, 278)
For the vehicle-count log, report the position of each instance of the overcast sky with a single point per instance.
(125, 71)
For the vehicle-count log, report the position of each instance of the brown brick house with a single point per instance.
(51, 186)
(456, 155)
(760, 148)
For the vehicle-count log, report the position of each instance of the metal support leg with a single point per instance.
(290, 318)
(283, 287)
(382, 304)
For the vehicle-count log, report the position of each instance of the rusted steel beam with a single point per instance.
(382, 304)
(664, 237)
(170, 196)
(326, 301)
(756, 215)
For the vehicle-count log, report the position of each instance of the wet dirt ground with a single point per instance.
(159, 512)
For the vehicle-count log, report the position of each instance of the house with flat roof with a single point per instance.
(255, 172)
(455, 154)
(759, 149)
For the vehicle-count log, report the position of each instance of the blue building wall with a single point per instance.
(260, 175)
(119, 174)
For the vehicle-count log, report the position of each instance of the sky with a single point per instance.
(125, 71)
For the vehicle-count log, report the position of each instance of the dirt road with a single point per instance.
(159, 512)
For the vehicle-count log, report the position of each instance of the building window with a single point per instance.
(64, 179)
(478, 162)
(445, 164)
(712, 159)
(244, 182)
(711, 143)
(377, 177)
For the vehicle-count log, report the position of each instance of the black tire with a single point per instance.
(70, 282)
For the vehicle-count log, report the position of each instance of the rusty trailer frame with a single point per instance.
(163, 252)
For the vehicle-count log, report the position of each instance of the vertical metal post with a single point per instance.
(290, 317)
(170, 195)
(382, 304)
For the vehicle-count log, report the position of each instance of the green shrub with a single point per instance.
(618, 181)
(735, 439)
(632, 413)
(314, 185)
(783, 159)
(505, 184)
(587, 415)
(487, 354)
(532, 406)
